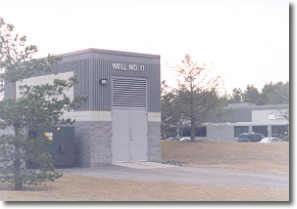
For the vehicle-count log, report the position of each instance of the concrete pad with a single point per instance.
(183, 175)
(143, 165)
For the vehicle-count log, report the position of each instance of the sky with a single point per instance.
(242, 41)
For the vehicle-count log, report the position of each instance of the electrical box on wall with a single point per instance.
(61, 146)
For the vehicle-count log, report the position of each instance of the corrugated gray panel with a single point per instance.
(82, 71)
(98, 91)
(90, 66)
(107, 91)
(92, 80)
(155, 91)
(101, 94)
(81, 68)
(128, 92)
(104, 69)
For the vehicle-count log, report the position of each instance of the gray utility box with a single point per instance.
(121, 119)
(61, 146)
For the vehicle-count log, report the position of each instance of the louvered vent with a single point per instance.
(128, 92)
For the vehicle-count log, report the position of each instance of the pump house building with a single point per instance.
(121, 119)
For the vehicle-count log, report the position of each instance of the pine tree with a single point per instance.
(38, 108)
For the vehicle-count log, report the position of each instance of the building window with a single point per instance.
(187, 131)
(260, 130)
(240, 129)
(201, 131)
(171, 132)
(279, 131)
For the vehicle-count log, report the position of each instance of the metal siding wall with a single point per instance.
(97, 91)
(82, 71)
(92, 79)
(106, 104)
(149, 87)
(90, 67)
(155, 88)
(101, 94)
(80, 67)
(103, 69)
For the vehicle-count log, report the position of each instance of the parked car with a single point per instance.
(250, 137)
(185, 138)
(268, 140)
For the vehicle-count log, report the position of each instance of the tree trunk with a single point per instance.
(18, 183)
(14, 90)
(193, 129)
(192, 114)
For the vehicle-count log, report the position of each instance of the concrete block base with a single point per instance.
(93, 143)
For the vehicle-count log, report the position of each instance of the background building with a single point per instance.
(269, 120)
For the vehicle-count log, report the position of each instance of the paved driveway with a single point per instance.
(183, 175)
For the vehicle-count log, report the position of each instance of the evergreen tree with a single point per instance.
(276, 93)
(38, 108)
(252, 95)
(237, 96)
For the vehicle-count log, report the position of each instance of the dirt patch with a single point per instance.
(77, 188)
(255, 157)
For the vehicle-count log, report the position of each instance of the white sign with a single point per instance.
(127, 67)
(268, 115)
(276, 116)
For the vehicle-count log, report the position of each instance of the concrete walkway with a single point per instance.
(182, 175)
(143, 165)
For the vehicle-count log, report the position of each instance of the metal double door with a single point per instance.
(129, 134)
